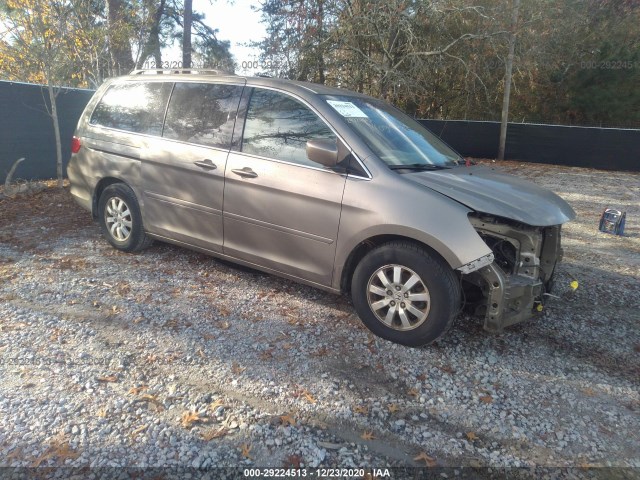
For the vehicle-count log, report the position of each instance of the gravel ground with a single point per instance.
(172, 358)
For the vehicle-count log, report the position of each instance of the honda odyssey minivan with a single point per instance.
(321, 185)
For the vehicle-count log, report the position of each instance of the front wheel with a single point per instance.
(120, 218)
(405, 294)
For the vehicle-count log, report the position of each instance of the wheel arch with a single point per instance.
(97, 192)
(365, 246)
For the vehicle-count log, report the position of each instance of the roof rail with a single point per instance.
(199, 71)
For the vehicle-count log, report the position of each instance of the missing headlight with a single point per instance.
(504, 251)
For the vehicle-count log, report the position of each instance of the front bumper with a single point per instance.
(513, 285)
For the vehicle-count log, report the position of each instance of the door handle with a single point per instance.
(245, 172)
(206, 164)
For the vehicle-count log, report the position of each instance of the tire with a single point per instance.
(120, 218)
(422, 286)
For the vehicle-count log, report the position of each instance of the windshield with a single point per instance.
(394, 137)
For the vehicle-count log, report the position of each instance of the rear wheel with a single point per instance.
(405, 294)
(121, 220)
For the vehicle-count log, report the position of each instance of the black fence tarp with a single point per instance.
(602, 148)
(26, 129)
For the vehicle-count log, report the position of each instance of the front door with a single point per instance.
(281, 210)
(183, 172)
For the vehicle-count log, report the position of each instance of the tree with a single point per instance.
(186, 35)
(151, 41)
(507, 79)
(120, 32)
(40, 34)
(299, 39)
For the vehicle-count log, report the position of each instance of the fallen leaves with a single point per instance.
(308, 397)
(292, 461)
(361, 410)
(123, 289)
(372, 344)
(265, 295)
(15, 454)
(304, 394)
(147, 397)
(472, 436)
(137, 390)
(368, 435)
(423, 457)
(321, 352)
(293, 318)
(287, 419)
(447, 369)
(245, 450)
(412, 392)
(55, 335)
(138, 430)
(190, 417)
(267, 354)
(237, 369)
(59, 450)
(172, 323)
(486, 399)
(213, 406)
(102, 412)
(214, 433)
(393, 408)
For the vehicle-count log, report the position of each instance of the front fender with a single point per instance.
(415, 213)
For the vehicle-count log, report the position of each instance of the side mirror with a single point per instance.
(323, 151)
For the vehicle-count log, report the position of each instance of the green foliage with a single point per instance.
(445, 59)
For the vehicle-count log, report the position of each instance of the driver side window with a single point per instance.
(278, 127)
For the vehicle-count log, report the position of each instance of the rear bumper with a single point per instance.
(81, 192)
(513, 286)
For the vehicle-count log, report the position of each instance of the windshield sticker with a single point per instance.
(347, 109)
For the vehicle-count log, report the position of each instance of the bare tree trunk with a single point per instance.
(186, 34)
(7, 181)
(321, 46)
(507, 79)
(56, 129)
(152, 46)
(119, 46)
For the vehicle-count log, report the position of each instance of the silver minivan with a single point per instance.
(325, 186)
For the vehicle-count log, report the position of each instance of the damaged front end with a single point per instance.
(511, 289)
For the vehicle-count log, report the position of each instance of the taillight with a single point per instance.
(75, 145)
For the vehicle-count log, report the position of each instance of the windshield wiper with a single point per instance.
(417, 167)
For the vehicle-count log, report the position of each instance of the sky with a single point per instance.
(236, 22)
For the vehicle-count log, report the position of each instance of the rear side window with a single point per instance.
(134, 106)
(279, 127)
(203, 113)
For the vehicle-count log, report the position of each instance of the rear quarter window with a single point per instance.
(136, 107)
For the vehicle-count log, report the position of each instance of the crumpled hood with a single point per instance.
(485, 190)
